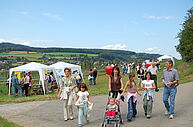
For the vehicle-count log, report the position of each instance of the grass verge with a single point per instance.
(6, 123)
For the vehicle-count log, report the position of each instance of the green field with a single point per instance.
(41, 54)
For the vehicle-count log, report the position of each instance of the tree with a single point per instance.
(185, 47)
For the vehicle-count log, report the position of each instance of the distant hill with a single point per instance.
(109, 55)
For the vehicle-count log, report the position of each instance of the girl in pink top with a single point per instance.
(131, 96)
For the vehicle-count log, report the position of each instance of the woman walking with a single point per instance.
(148, 86)
(115, 83)
(66, 93)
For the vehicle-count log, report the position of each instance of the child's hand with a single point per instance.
(140, 94)
(58, 96)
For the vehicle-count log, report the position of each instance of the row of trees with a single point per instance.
(185, 47)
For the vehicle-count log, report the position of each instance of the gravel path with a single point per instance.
(50, 113)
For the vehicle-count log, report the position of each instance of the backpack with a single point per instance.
(49, 79)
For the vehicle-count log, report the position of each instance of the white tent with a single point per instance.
(165, 57)
(34, 67)
(60, 66)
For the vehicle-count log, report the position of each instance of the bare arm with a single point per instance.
(59, 92)
(76, 98)
(89, 98)
(109, 83)
(126, 85)
(122, 85)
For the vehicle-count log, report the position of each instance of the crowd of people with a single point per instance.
(74, 92)
(146, 80)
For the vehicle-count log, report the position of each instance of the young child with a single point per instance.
(112, 108)
(148, 85)
(82, 101)
(131, 96)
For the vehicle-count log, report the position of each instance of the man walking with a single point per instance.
(153, 69)
(170, 80)
(94, 75)
(15, 83)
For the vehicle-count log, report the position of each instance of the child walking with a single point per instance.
(148, 86)
(131, 96)
(82, 101)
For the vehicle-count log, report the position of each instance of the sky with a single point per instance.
(149, 26)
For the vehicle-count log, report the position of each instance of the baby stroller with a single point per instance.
(117, 119)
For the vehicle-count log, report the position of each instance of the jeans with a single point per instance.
(132, 112)
(82, 115)
(17, 87)
(90, 82)
(169, 91)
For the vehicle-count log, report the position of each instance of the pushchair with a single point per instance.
(117, 119)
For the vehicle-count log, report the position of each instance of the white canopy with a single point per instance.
(34, 67)
(60, 66)
(166, 57)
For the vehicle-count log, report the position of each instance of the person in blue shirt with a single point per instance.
(16, 85)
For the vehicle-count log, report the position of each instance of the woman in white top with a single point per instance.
(26, 83)
(66, 93)
(148, 86)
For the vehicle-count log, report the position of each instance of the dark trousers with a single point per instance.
(154, 77)
(94, 80)
(26, 89)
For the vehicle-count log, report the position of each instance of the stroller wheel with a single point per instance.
(121, 121)
(116, 125)
(103, 125)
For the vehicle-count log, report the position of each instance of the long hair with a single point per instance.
(130, 81)
(149, 75)
(115, 68)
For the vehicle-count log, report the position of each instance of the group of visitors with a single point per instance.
(116, 86)
(22, 85)
(92, 75)
(82, 100)
(170, 80)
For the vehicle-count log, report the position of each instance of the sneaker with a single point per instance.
(148, 116)
(166, 113)
(171, 116)
(71, 118)
(65, 119)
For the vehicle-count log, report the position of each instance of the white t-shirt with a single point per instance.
(148, 84)
(153, 70)
(27, 78)
(83, 96)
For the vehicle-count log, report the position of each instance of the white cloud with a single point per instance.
(158, 17)
(27, 42)
(154, 49)
(115, 47)
(4, 40)
(53, 16)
